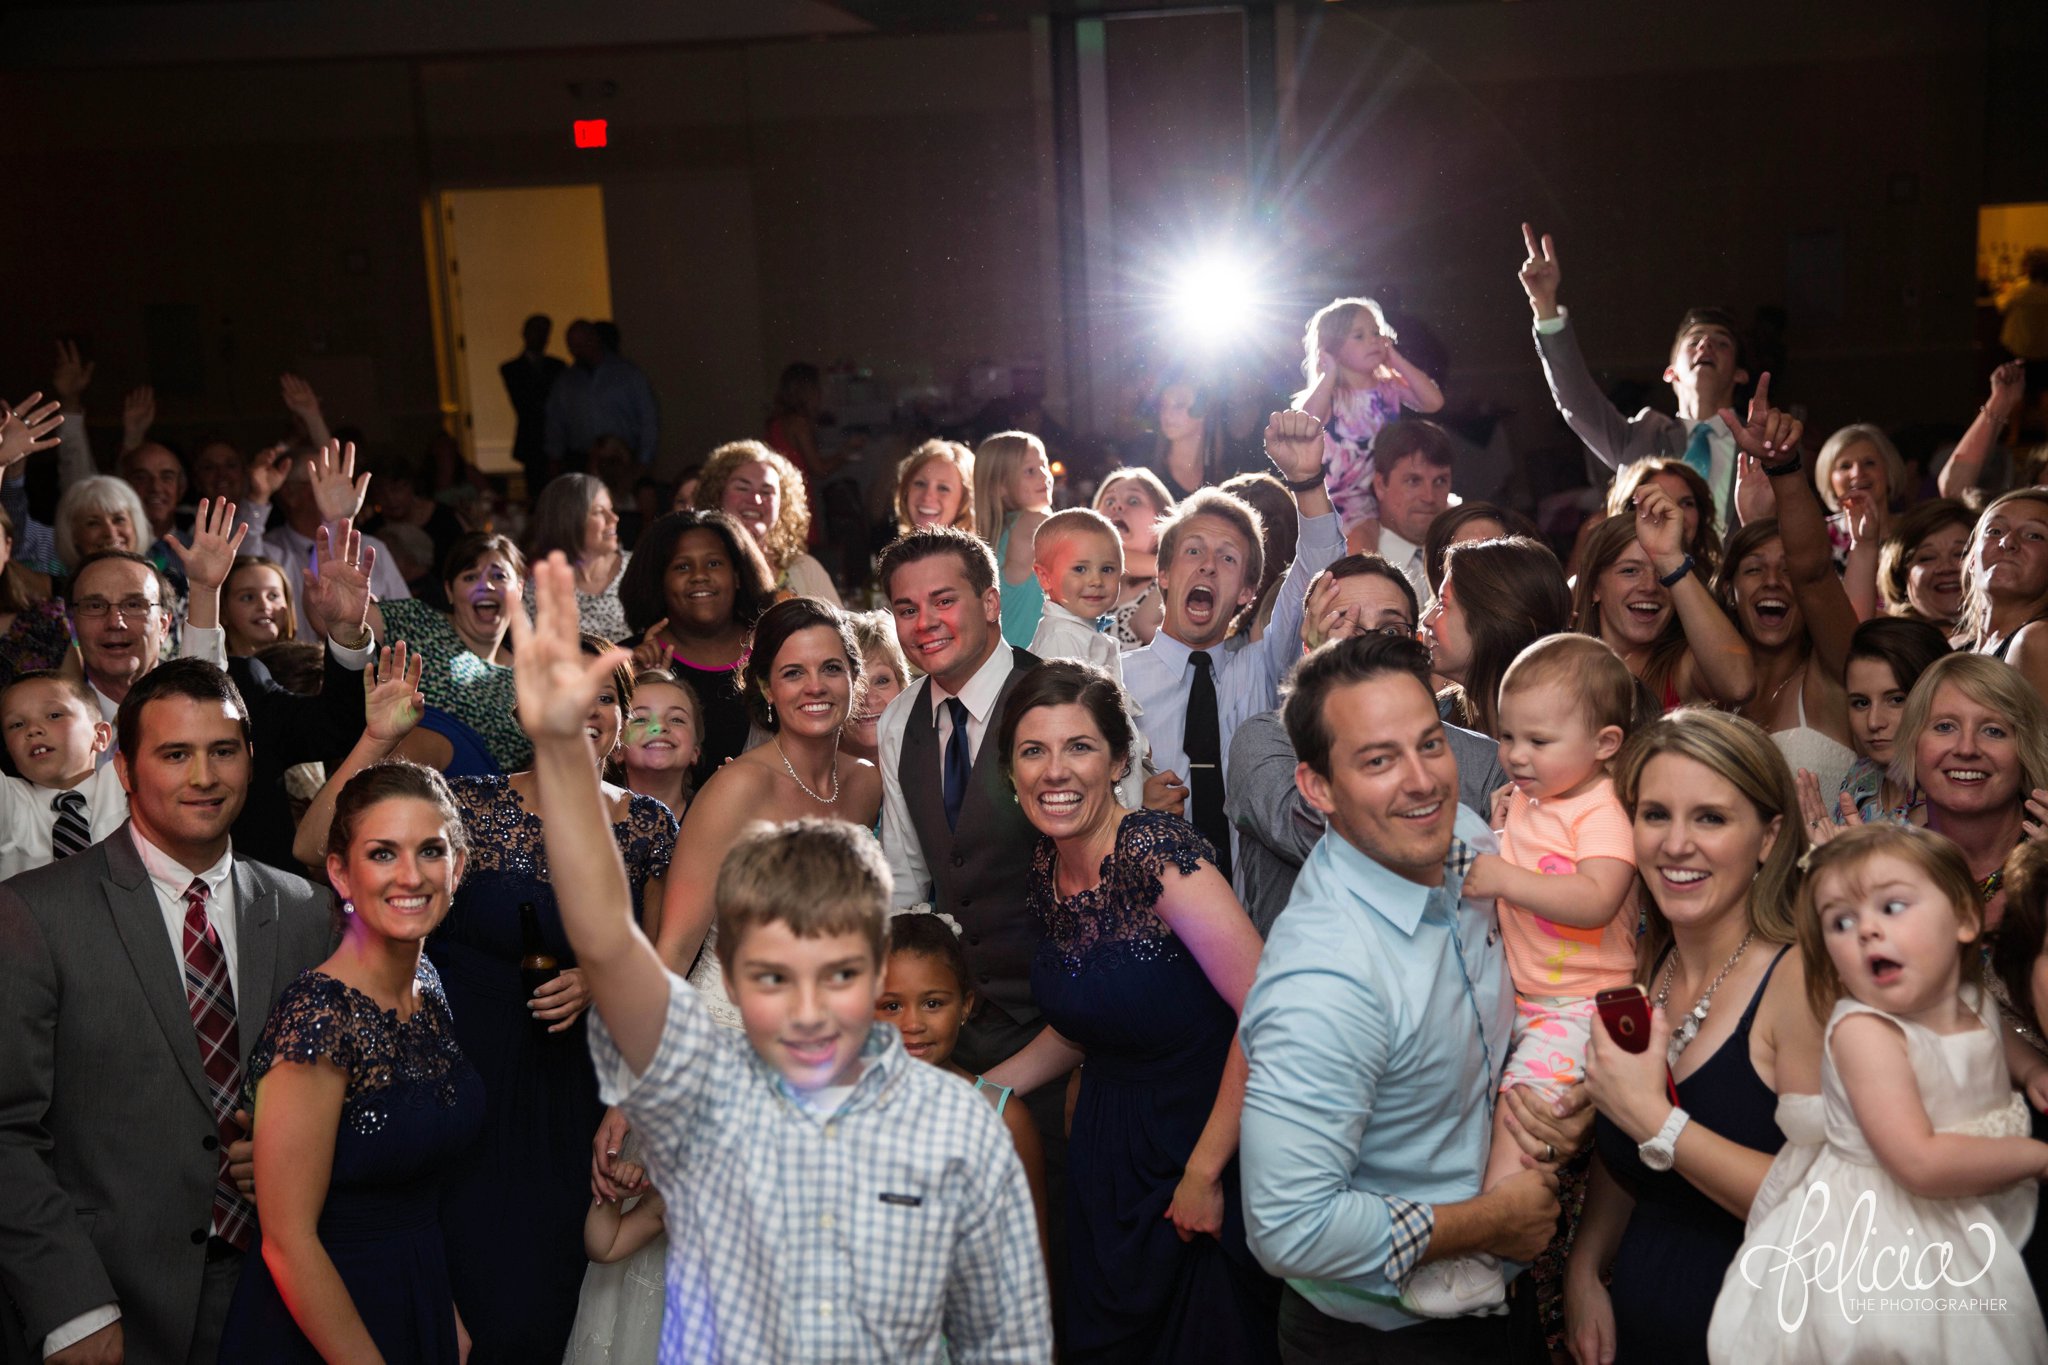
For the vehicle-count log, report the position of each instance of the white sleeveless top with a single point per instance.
(1811, 749)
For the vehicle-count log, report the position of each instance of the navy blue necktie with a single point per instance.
(959, 763)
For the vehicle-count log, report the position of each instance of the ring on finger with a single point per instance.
(1550, 1151)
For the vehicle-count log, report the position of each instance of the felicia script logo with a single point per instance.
(1857, 1266)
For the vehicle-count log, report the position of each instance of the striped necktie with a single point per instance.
(70, 833)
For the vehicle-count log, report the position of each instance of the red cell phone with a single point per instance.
(1626, 1013)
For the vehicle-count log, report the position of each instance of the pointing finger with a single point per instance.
(1529, 240)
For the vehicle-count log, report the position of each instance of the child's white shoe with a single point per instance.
(1455, 1288)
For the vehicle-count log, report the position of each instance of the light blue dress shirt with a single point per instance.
(1248, 673)
(1376, 1031)
(614, 399)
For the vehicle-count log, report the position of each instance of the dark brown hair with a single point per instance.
(1447, 523)
(1065, 682)
(1342, 663)
(193, 678)
(643, 588)
(977, 560)
(393, 780)
(774, 630)
(1512, 592)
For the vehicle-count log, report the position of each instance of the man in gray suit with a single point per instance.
(135, 977)
(1277, 827)
(1704, 372)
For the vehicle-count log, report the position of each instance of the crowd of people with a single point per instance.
(1281, 916)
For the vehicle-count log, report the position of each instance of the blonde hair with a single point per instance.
(942, 452)
(1154, 486)
(815, 875)
(1991, 683)
(99, 493)
(786, 539)
(1846, 855)
(1832, 450)
(1074, 521)
(1976, 603)
(996, 463)
(1326, 331)
(1741, 754)
(875, 633)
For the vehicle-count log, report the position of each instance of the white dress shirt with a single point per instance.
(168, 878)
(907, 863)
(1407, 557)
(1247, 672)
(27, 818)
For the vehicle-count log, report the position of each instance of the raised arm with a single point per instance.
(392, 704)
(1718, 656)
(1966, 464)
(1294, 443)
(1418, 390)
(1579, 400)
(305, 405)
(216, 539)
(1771, 441)
(556, 684)
(138, 415)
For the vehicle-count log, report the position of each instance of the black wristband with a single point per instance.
(1315, 480)
(1791, 466)
(1677, 575)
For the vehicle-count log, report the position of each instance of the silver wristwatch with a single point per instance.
(1660, 1151)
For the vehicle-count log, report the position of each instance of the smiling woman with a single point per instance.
(2006, 584)
(468, 681)
(1145, 963)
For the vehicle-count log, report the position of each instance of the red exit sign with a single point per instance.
(590, 132)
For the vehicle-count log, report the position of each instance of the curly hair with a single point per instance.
(786, 539)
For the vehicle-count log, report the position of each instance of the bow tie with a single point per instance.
(1105, 624)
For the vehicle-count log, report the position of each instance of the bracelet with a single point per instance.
(1677, 575)
(1316, 480)
(1791, 466)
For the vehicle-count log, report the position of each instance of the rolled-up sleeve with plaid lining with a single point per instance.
(1375, 1032)
(898, 1228)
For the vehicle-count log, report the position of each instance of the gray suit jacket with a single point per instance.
(1614, 440)
(1276, 825)
(108, 1151)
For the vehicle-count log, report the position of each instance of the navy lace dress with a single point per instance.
(413, 1104)
(1113, 979)
(514, 1205)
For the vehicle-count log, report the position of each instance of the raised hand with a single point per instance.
(138, 415)
(216, 537)
(337, 490)
(336, 590)
(26, 428)
(1860, 512)
(1540, 273)
(1294, 443)
(652, 651)
(1769, 436)
(555, 680)
(304, 405)
(1321, 618)
(1754, 500)
(71, 375)
(2008, 387)
(392, 700)
(1815, 812)
(1660, 527)
(268, 469)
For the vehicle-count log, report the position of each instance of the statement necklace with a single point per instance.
(833, 799)
(1682, 1037)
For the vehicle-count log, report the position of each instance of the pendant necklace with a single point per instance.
(1689, 1028)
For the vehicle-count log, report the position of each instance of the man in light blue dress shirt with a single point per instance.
(1207, 572)
(1376, 1031)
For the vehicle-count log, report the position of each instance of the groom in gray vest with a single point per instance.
(951, 827)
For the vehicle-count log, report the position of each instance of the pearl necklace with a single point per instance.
(1682, 1037)
(790, 768)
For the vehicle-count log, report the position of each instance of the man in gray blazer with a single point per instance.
(1704, 372)
(135, 978)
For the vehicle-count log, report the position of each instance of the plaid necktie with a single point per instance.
(211, 997)
(70, 833)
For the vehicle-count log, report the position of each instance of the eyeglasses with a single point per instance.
(93, 608)
(1400, 630)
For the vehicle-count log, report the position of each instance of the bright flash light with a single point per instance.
(1213, 299)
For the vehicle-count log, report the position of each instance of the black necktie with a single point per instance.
(70, 834)
(1202, 741)
(959, 766)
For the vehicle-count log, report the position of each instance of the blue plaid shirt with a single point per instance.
(898, 1228)
(1376, 1031)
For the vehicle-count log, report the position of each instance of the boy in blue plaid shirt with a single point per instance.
(828, 1197)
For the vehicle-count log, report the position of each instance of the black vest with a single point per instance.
(979, 871)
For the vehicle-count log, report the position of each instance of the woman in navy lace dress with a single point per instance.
(1145, 963)
(514, 1205)
(362, 1099)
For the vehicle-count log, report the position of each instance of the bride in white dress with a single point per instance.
(1899, 1239)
